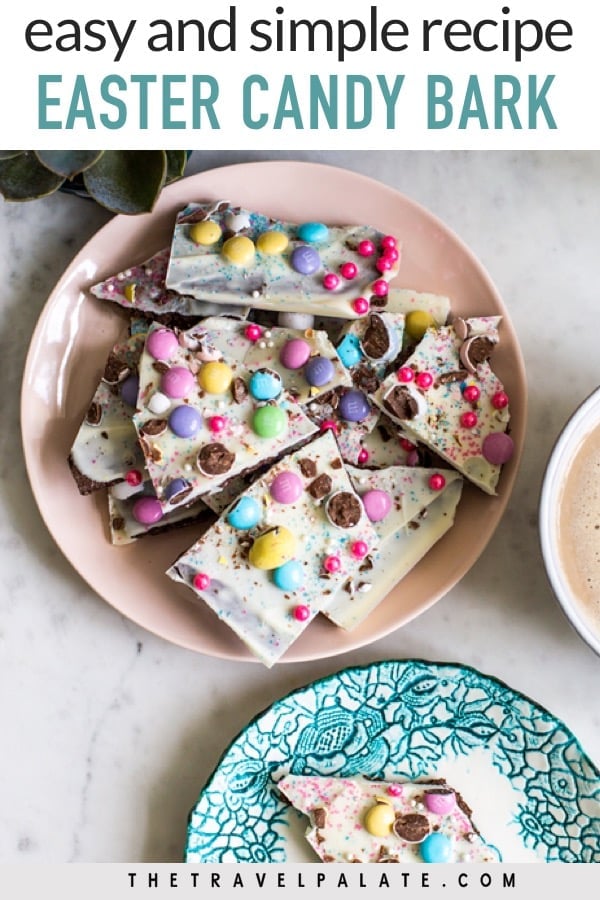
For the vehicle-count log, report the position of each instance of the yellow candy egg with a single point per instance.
(205, 233)
(379, 819)
(215, 377)
(417, 323)
(239, 250)
(129, 291)
(273, 548)
(272, 243)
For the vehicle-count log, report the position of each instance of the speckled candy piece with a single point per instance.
(268, 281)
(123, 526)
(169, 456)
(338, 807)
(106, 447)
(245, 597)
(419, 516)
(393, 323)
(141, 289)
(439, 427)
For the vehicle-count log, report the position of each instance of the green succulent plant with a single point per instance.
(124, 181)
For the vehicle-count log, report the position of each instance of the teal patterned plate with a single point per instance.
(535, 794)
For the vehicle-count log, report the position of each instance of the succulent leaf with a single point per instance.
(127, 181)
(176, 162)
(23, 177)
(8, 154)
(68, 163)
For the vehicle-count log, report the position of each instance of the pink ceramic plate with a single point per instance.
(75, 332)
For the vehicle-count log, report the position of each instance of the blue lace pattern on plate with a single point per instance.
(398, 720)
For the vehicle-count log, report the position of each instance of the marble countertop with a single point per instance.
(108, 732)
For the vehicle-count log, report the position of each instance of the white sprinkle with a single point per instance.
(262, 344)
(187, 467)
(270, 344)
(255, 294)
(268, 334)
(221, 404)
(365, 587)
(127, 273)
(148, 271)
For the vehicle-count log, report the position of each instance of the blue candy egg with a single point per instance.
(349, 350)
(354, 406)
(319, 371)
(289, 576)
(245, 514)
(265, 384)
(436, 848)
(313, 232)
(305, 260)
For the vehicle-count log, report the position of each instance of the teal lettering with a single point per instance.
(502, 102)
(320, 101)
(473, 106)
(436, 100)
(201, 103)
(44, 101)
(80, 106)
(143, 81)
(288, 106)
(169, 101)
(249, 83)
(390, 98)
(538, 102)
(108, 97)
(352, 83)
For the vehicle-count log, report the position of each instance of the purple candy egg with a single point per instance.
(162, 344)
(305, 260)
(185, 422)
(440, 803)
(319, 371)
(498, 448)
(377, 504)
(354, 406)
(147, 511)
(129, 390)
(177, 382)
(175, 488)
(286, 487)
(294, 353)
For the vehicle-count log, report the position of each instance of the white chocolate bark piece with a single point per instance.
(289, 273)
(105, 448)
(130, 519)
(209, 427)
(364, 821)
(454, 360)
(419, 515)
(404, 300)
(265, 568)
(141, 289)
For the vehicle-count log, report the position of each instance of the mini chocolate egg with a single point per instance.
(147, 511)
(244, 514)
(313, 232)
(380, 341)
(129, 390)
(239, 250)
(162, 343)
(294, 353)
(379, 818)
(205, 233)
(498, 448)
(286, 487)
(289, 576)
(177, 382)
(354, 406)
(298, 321)
(215, 377)
(265, 384)
(417, 322)
(377, 504)
(319, 371)
(185, 421)
(349, 350)
(272, 243)
(305, 260)
(177, 489)
(237, 221)
(269, 421)
(273, 548)
(436, 848)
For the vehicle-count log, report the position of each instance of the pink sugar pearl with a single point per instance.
(437, 481)
(468, 419)
(301, 612)
(363, 457)
(201, 581)
(360, 306)
(380, 288)
(405, 374)
(392, 253)
(471, 393)
(330, 281)
(424, 380)
(366, 248)
(133, 477)
(500, 400)
(389, 242)
(349, 270)
(384, 264)
(359, 549)
(332, 564)
(217, 424)
(406, 444)
(329, 425)
(253, 332)
(394, 790)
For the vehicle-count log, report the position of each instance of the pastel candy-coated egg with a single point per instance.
(272, 243)
(175, 487)
(377, 504)
(294, 353)
(177, 382)
(286, 487)
(239, 250)
(273, 548)
(354, 406)
(162, 344)
(313, 232)
(245, 514)
(349, 350)
(299, 321)
(185, 421)
(269, 421)
(319, 371)
(205, 233)
(147, 511)
(305, 260)
(289, 576)
(158, 403)
(417, 322)
(498, 448)
(265, 385)
(215, 377)
(129, 390)
(436, 848)
(379, 819)
(440, 804)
